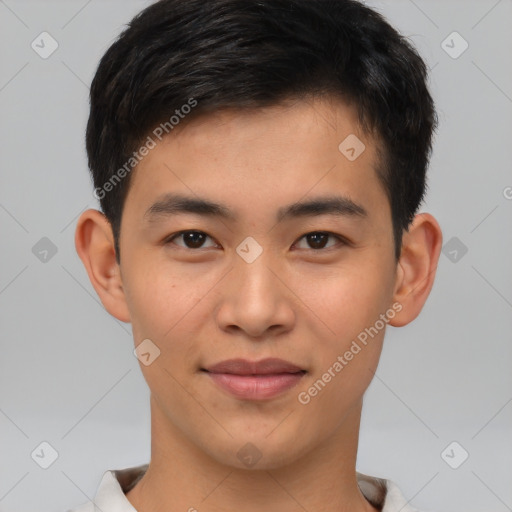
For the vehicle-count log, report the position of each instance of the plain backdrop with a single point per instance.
(68, 376)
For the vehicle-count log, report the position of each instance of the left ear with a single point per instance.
(421, 247)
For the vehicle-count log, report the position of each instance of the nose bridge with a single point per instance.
(258, 259)
(253, 276)
(255, 300)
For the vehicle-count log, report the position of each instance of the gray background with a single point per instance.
(67, 372)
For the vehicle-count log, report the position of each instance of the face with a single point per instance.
(305, 285)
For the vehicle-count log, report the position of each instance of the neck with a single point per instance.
(183, 477)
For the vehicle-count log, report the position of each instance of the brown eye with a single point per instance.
(318, 240)
(191, 239)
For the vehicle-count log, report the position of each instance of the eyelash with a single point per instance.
(343, 241)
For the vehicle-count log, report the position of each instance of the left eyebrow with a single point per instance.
(331, 205)
(175, 204)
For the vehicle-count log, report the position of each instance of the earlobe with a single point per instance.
(94, 244)
(417, 266)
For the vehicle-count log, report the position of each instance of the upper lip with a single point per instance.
(245, 367)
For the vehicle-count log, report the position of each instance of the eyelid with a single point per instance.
(169, 239)
(341, 239)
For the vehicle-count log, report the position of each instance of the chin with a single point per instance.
(258, 451)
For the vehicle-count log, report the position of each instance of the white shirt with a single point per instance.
(110, 496)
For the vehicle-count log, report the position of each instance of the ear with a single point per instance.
(94, 242)
(421, 247)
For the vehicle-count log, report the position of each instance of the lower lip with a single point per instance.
(256, 387)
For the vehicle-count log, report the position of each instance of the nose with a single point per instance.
(255, 300)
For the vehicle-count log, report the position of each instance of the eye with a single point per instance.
(191, 239)
(318, 239)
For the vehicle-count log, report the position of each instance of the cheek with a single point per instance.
(158, 298)
(347, 299)
(171, 307)
(350, 352)
(162, 310)
(350, 302)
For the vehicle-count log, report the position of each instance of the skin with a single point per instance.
(203, 305)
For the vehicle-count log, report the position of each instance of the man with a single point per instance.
(260, 165)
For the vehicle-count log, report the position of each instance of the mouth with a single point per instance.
(255, 380)
(269, 366)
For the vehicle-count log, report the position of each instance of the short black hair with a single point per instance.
(194, 57)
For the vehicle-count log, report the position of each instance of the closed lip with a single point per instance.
(269, 366)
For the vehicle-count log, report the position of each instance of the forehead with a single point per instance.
(262, 157)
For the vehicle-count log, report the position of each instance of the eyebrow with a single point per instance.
(175, 204)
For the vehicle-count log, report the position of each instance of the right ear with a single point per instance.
(94, 242)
